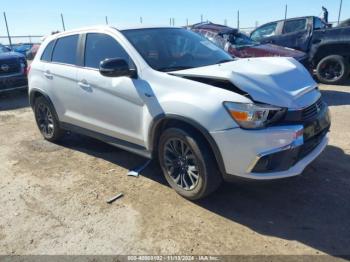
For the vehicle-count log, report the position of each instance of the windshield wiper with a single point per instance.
(174, 68)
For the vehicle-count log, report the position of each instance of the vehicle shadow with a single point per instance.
(336, 98)
(13, 100)
(113, 155)
(313, 209)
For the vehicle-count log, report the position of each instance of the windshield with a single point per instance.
(171, 49)
(241, 40)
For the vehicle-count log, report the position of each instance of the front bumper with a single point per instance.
(13, 82)
(272, 153)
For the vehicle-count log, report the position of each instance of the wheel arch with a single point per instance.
(164, 121)
(34, 93)
(342, 49)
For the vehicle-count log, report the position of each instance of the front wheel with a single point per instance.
(188, 164)
(333, 69)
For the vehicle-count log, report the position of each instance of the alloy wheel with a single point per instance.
(331, 70)
(45, 120)
(181, 164)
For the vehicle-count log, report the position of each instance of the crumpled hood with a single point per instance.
(276, 81)
(275, 50)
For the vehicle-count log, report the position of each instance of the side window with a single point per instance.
(318, 24)
(294, 26)
(265, 31)
(65, 50)
(46, 56)
(98, 47)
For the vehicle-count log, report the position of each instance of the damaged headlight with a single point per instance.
(253, 116)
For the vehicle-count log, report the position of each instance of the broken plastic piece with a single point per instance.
(136, 172)
(110, 201)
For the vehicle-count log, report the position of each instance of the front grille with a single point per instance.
(305, 115)
(312, 111)
(13, 82)
(12, 68)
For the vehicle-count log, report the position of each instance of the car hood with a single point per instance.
(279, 81)
(275, 50)
(11, 55)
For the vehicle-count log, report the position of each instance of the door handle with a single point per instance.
(48, 74)
(84, 84)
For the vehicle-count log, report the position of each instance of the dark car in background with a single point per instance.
(241, 45)
(13, 70)
(328, 48)
(32, 52)
(22, 48)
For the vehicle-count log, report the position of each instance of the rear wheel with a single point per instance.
(46, 120)
(333, 69)
(188, 164)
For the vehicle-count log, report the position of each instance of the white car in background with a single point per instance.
(167, 93)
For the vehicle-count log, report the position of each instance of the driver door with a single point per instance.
(109, 105)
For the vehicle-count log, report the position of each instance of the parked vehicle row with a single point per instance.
(13, 70)
(240, 45)
(328, 48)
(29, 50)
(169, 94)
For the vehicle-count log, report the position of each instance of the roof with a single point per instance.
(214, 27)
(101, 27)
(292, 18)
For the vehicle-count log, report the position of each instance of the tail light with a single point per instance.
(28, 69)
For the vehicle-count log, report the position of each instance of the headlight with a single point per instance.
(253, 116)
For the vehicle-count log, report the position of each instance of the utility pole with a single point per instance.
(341, 5)
(8, 32)
(285, 12)
(63, 25)
(106, 20)
(238, 19)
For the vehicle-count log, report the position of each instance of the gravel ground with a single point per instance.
(53, 199)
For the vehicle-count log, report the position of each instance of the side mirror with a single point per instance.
(116, 67)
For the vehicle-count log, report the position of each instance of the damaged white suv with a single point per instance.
(169, 94)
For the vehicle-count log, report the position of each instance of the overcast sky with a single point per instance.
(42, 17)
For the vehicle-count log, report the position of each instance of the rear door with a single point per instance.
(61, 74)
(295, 34)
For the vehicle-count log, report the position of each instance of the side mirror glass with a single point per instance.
(116, 67)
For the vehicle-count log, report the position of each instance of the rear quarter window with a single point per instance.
(46, 56)
(65, 50)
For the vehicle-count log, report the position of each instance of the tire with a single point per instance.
(46, 120)
(332, 70)
(188, 163)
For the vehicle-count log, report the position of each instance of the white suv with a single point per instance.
(167, 93)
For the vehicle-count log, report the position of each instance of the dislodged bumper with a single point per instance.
(272, 153)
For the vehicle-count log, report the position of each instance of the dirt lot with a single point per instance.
(53, 199)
